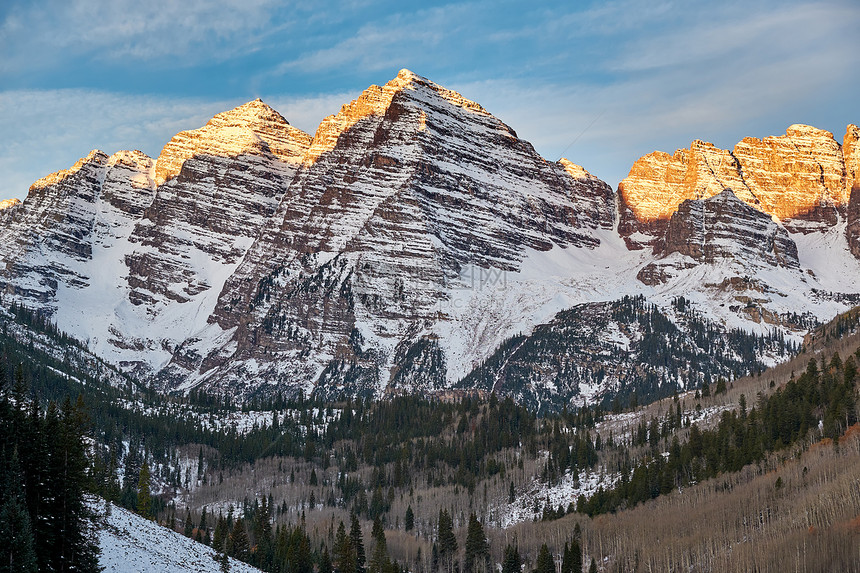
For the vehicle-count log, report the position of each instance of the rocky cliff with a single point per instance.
(851, 153)
(800, 178)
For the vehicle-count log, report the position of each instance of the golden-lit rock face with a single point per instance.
(9, 203)
(795, 173)
(851, 154)
(250, 129)
(800, 175)
(374, 100)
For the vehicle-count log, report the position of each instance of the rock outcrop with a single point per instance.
(851, 153)
(720, 228)
(9, 204)
(799, 178)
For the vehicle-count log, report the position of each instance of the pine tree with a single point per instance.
(325, 565)
(379, 562)
(512, 562)
(204, 527)
(220, 535)
(17, 544)
(357, 544)
(409, 519)
(446, 539)
(593, 567)
(566, 560)
(344, 552)
(223, 561)
(477, 556)
(545, 562)
(73, 527)
(238, 544)
(144, 497)
(575, 557)
(188, 531)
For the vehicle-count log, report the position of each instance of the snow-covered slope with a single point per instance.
(131, 544)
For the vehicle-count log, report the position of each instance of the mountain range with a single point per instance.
(415, 244)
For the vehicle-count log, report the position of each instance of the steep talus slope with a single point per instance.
(402, 189)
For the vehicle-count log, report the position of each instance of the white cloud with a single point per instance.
(716, 78)
(648, 75)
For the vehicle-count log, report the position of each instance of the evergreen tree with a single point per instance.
(17, 544)
(477, 558)
(572, 560)
(593, 567)
(512, 562)
(446, 539)
(223, 561)
(409, 519)
(238, 544)
(131, 477)
(73, 526)
(379, 562)
(566, 556)
(325, 565)
(357, 544)
(144, 497)
(188, 531)
(204, 527)
(220, 535)
(545, 563)
(344, 552)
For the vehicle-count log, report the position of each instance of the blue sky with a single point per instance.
(601, 83)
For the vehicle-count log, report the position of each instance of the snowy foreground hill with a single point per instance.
(132, 544)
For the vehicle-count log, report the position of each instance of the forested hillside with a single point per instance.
(742, 472)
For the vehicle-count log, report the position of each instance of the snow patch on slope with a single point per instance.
(131, 544)
(487, 306)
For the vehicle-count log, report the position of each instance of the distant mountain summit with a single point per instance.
(414, 235)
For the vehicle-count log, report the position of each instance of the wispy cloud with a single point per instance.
(755, 81)
(395, 39)
(183, 33)
(655, 74)
(48, 130)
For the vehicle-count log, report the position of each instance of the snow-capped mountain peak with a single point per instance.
(412, 236)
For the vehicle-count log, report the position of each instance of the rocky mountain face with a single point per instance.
(801, 178)
(399, 191)
(720, 228)
(129, 253)
(414, 237)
